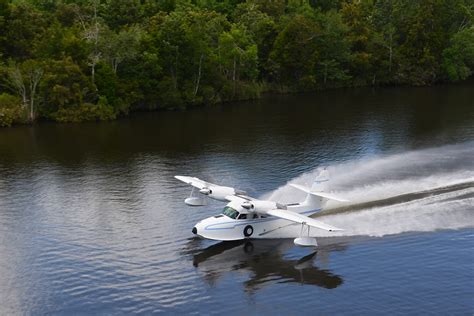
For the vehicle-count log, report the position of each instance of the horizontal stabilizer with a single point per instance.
(321, 194)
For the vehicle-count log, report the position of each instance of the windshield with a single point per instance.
(230, 212)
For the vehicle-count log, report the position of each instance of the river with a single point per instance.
(93, 222)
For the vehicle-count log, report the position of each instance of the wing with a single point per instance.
(214, 191)
(195, 182)
(300, 218)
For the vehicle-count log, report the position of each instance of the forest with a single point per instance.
(72, 61)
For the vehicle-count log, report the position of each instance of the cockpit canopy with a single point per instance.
(230, 212)
(234, 214)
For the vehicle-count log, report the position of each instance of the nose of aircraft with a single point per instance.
(194, 230)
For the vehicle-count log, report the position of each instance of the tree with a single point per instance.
(201, 34)
(238, 56)
(333, 48)
(386, 37)
(92, 28)
(262, 29)
(119, 47)
(65, 85)
(122, 13)
(4, 16)
(356, 15)
(24, 26)
(24, 79)
(187, 42)
(274, 8)
(294, 53)
(423, 34)
(458, 58)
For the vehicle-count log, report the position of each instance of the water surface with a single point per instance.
(93, 222)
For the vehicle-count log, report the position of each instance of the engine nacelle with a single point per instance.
(220, 192)
(205, 191)
(261, 206)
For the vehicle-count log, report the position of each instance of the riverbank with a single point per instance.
(102, 113)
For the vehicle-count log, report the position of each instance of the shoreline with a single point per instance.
(262, 96)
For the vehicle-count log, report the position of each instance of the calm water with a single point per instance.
(92, 221)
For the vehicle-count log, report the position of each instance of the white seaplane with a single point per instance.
(245, 217)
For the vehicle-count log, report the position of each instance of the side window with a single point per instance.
(255, 215)
(243, 216)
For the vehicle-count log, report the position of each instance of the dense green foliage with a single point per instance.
(98, 59)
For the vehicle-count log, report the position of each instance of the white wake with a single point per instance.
(444, 175)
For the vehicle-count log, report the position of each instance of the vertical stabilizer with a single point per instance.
(316, 196)
(321, 181)
(320, 184)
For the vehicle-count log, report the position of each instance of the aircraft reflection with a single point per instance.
(267, 262)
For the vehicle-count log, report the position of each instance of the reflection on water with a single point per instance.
(266, 261)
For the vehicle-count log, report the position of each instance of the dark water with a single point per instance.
(92, 221)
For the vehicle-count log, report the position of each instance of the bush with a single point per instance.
(170, 98)
(241, 91)
(101, 111)
(64, 88)
(11, 110)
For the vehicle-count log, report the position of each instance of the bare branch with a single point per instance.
(16, 80)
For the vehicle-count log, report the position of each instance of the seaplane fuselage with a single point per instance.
(235, 222)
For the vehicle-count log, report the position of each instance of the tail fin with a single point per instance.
(321, 182)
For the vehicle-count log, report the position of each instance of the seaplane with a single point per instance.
(245, 217)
